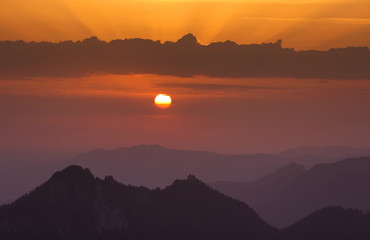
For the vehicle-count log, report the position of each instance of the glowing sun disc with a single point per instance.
(162, 100)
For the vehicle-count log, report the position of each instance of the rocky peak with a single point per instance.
(72, 172)
(192, 178)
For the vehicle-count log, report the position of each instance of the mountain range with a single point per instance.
(155, 166)
(310, 156)
(291, 193)
(73, 204)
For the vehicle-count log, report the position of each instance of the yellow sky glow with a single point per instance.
(301, 24)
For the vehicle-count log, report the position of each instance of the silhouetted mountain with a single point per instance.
(184, 58)
(151, 166)
(285, 199)
(310, 156)
(74, 204)
(155, 166)
(262, 187)
(260, 193)
(332, 223)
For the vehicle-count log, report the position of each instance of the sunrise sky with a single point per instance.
(302, 24)
(221, 115)
(227, 115)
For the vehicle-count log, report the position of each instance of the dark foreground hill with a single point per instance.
(291, 193)
(331, 223)
(74, 204)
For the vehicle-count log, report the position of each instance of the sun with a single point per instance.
(162, 100)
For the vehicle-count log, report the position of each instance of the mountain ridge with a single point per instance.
(281, 203)
(158, 165)
(73, 204)
(234, 168)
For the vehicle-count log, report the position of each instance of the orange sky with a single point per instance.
(318, 24)
(243, 115)
(226, 115)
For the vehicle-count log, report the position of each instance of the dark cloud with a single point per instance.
(211, 86)
(184, 58)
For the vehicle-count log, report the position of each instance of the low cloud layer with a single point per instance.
(184, 58)
(212, 86)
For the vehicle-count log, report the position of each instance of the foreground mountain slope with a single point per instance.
(280, 202)
(74, 204)
(331, 223)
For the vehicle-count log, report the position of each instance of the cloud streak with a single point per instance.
(211, 86)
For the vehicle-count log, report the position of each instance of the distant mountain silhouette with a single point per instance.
(290, 194)
(156, 166)
(263, 187)
(310, 156)
(183, 58)
(73, 204)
